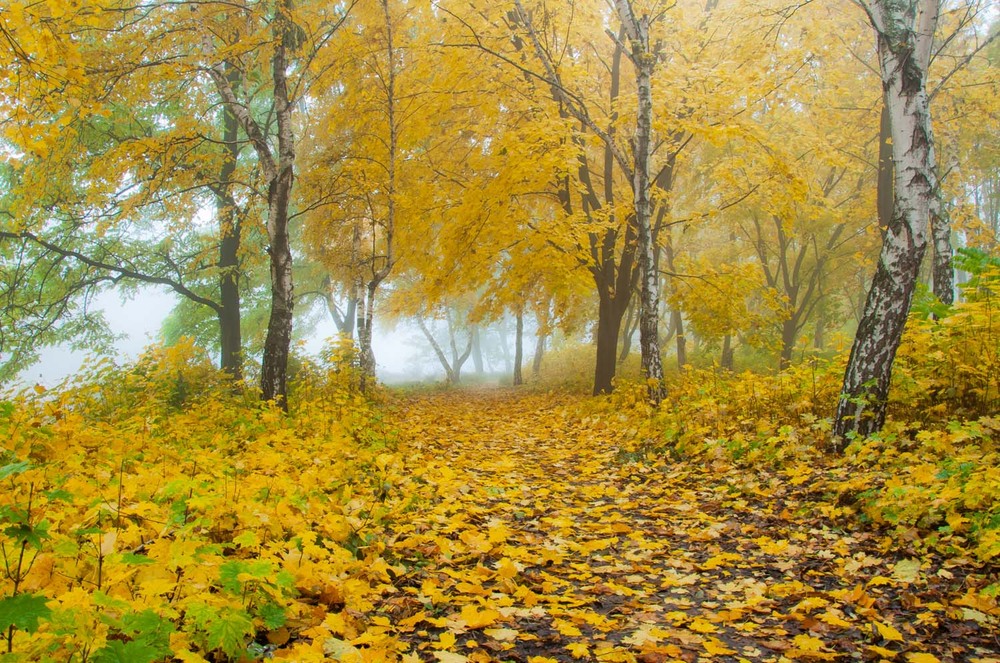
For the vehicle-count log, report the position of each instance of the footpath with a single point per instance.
(537, 536)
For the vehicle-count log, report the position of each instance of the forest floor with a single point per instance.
(538, 534)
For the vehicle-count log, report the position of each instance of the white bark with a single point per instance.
(644, 62)
(905, 32)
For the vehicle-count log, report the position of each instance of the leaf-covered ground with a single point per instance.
(536, 533)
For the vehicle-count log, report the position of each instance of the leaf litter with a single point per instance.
(536, 535)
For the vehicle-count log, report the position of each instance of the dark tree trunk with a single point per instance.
(518, 348)
(819, 333)
(609, 320)
(277, 343)
(230, 336)
(630, 323)
(789, 332)
(727, 362)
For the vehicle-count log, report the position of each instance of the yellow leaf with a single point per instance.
(907, 570)
(507, 569)
(498, 532)
(702, 626)
(502, 634)
(475, 618)
(449, 657)
(578, 650)
(834, 619)
(922, 658)
(565, 628)
(716, 647)
(882, 651)
(807, 643)
(446, 641)
(888, 632)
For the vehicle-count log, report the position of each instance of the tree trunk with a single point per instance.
(536, 362)
(505, 349)
(230, 335)
(789, 331)
(678, 323)
(944, 273)
(643, 61)
(367, 352)
(819, 334)
(457, 359)
(277, 343)
(631, 323)
(609, 320)
(477, 349)
(519, 347)
(450, 375)
(279, 174)
(366, 318)
(904, 52)
(727, 362)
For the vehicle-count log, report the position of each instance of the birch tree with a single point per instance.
(904, 35)
(643, 62)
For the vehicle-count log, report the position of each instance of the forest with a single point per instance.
(736, 260)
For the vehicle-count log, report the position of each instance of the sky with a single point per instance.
(138, 321)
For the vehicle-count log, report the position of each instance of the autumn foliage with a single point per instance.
(153, 512)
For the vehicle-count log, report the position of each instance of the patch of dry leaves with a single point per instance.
(537, 539)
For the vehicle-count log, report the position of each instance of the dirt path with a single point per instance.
(539, 539)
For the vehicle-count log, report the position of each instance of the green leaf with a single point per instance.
(138, 560)
(230, 631)
(23, 611)
(273, 616)
(135, 651)
(14, 468)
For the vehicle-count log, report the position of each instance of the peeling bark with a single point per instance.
(644, 62)
(904, 33)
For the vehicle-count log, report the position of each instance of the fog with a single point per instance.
(402, 354)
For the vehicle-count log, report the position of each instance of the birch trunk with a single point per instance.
(944, 272)
(279, 175)
(904, 32)
(274, 369)
(644, 61)
(519, 348)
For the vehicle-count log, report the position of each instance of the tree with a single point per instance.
(904, 36)
(102, 188)
(452, 368)
(643, 60)
(277, 168)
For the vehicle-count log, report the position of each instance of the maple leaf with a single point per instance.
(474, 618)
(716, 647)
(888, 632)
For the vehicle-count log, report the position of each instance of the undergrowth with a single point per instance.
(157, 511)
(930, 481)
